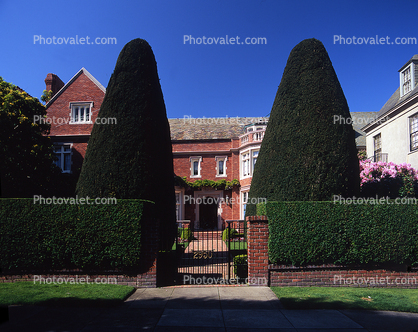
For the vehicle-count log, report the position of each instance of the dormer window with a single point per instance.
(80, 112)
(407, 79)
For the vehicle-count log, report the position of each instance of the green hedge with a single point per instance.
(324, 232)
(56, 236)
(229, 233)
(241, 266)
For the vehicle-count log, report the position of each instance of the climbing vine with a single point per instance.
(198, 184)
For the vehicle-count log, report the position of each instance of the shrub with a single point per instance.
(229, 233)
(387, 179)
(185, 234)
(305, 153)
(133, 159)
(241, 266)
(45, 237)
(324, 232)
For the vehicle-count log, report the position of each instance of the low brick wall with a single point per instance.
(324, 275)
(331, 277)
(139, 281)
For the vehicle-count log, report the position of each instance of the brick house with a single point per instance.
(215, 149)
(72, 111)
(203, 149)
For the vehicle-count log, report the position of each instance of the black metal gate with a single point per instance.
(209, 257)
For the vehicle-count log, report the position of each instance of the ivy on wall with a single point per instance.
(198, 184)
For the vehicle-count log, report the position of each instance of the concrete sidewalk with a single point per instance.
(204, 309)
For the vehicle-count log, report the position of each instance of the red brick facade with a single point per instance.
(83, 88)
(80, 89)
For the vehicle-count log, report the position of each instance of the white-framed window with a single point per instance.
(63, 153)
(195, 167)
(413, 130)
(248, 161)
(377, 143)
(407, 79)
(179, 205)
(80, 112)
(221, 166)
(244, 200)
(245, 162)
(255, 156)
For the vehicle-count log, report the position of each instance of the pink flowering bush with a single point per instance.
(387, 179)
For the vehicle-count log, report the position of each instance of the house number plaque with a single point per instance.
(202, 254)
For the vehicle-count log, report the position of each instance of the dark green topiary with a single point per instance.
(305, 154)
(133, 158)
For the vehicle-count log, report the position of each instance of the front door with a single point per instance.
(208, 215)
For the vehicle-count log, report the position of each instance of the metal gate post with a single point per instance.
(229, 251)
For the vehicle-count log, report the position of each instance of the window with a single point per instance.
(245, 164)
(377, 140)
(195, 167)
(407, 80)
(81, 113)
(244, 202)
(221, 166)
(413, 130)
(248, 160)
(255, 155)
(63, 153)
(178, 206)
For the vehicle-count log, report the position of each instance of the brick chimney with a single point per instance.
(53, 83)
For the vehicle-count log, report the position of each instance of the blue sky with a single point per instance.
(211, 80)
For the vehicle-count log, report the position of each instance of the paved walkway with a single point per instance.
(211, 309)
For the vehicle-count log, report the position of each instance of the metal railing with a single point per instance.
(379, 157)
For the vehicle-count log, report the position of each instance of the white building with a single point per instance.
(393, 136)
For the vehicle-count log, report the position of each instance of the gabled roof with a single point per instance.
(81, 71)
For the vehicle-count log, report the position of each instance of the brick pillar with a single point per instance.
(258, 260)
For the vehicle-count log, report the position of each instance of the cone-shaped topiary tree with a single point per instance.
(308, 151)
(132, 158)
